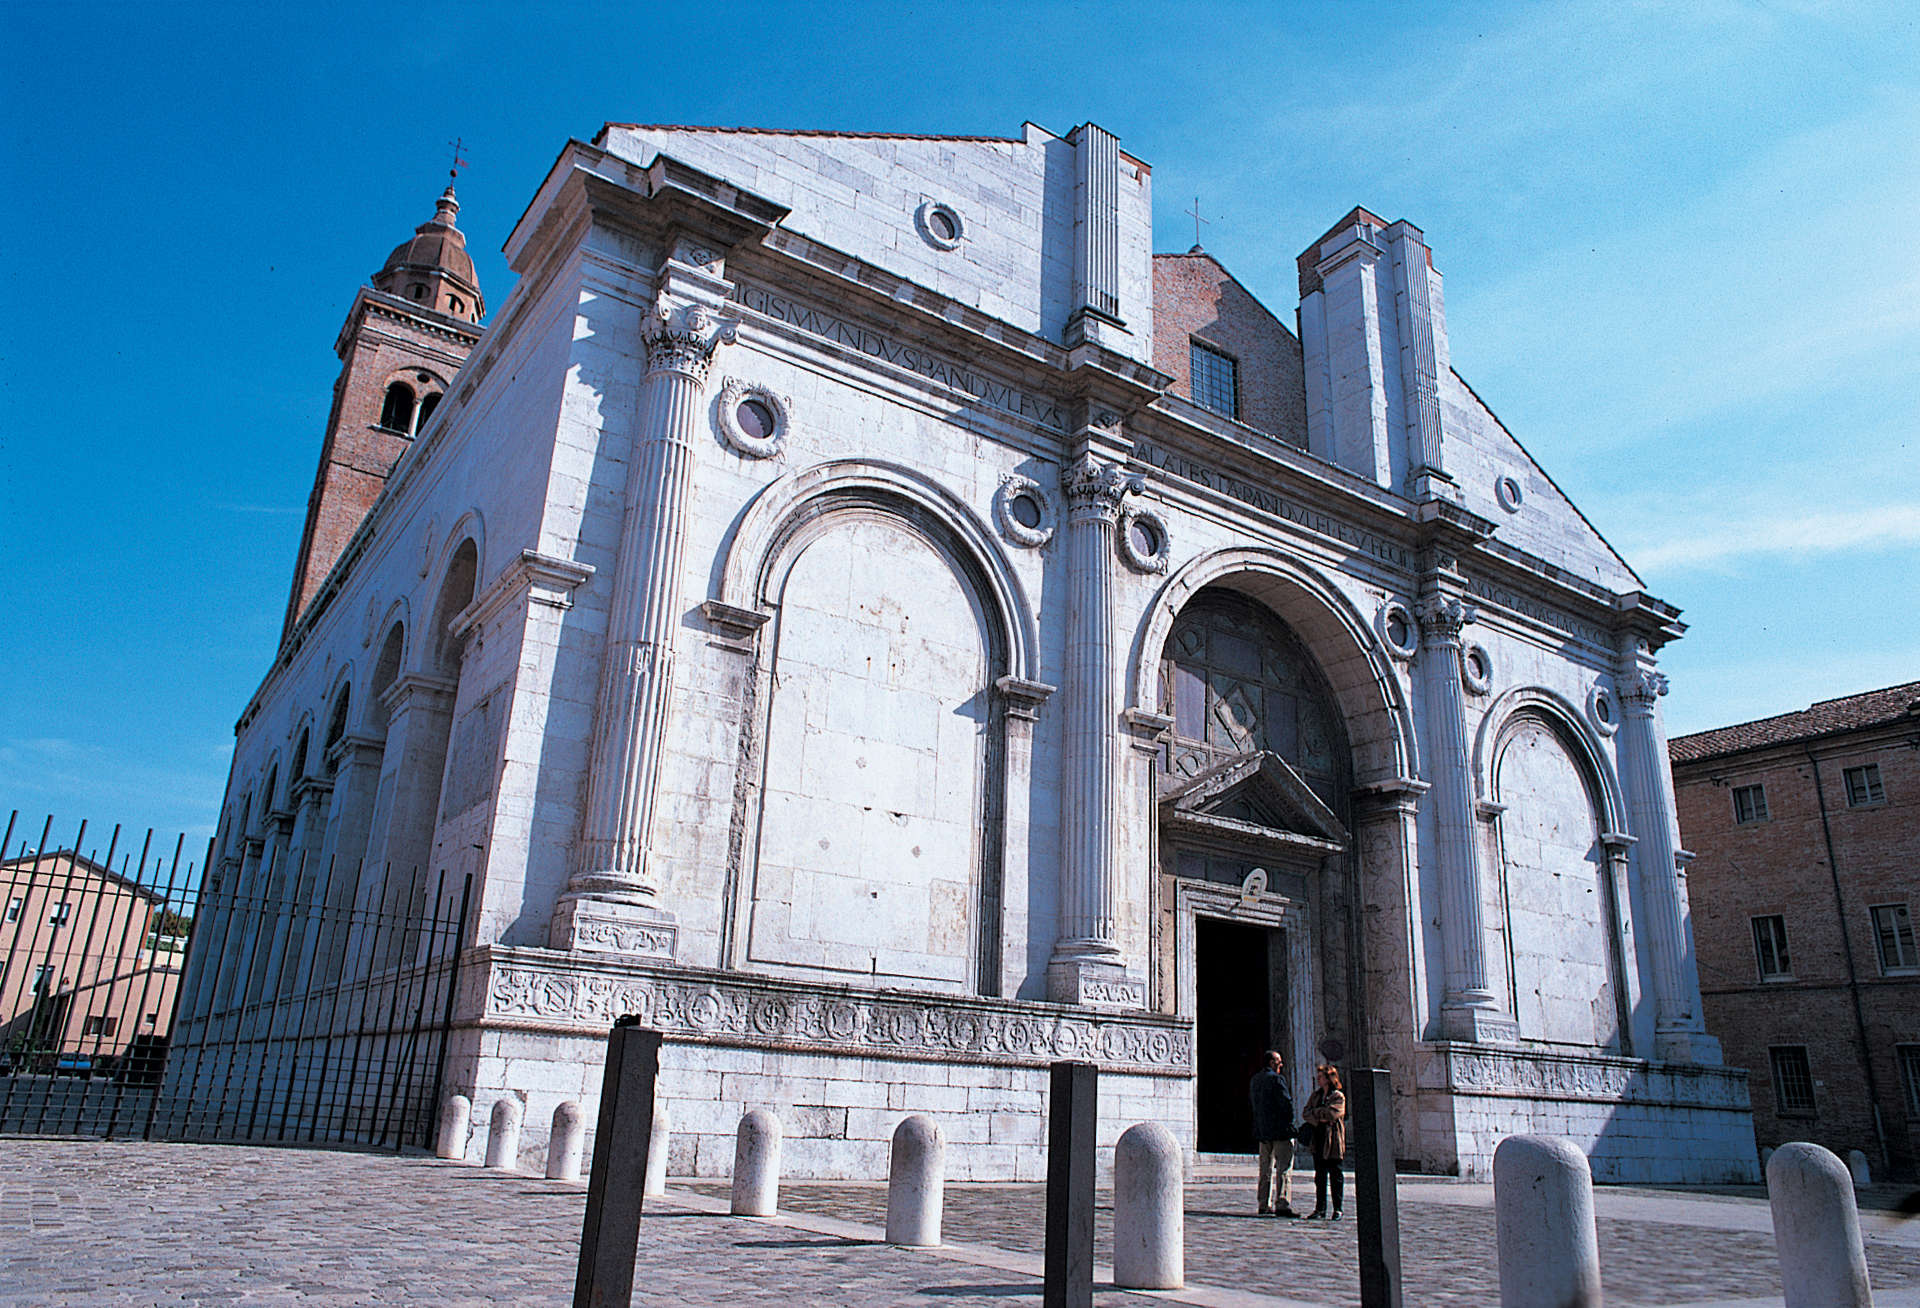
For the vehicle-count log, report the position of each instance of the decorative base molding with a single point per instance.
(1479, 1026)
(597, 926)
(1688, 1047)
(545, 990)
(1094, 983)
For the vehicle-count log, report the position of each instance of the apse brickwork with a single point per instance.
(818, 626)
(1805, 831)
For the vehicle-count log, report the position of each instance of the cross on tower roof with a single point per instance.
(1197, 220)
(460, 159)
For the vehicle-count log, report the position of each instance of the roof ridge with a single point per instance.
(810, 131)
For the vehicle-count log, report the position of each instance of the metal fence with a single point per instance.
(273, 1000)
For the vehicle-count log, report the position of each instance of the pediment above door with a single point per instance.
(1256, 800)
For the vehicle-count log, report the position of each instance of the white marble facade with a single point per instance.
(783, 596)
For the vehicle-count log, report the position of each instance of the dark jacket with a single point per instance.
(1272, 1106)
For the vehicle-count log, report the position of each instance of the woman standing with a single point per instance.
(1327, 1110)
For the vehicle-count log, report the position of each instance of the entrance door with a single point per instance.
(1240, 1012)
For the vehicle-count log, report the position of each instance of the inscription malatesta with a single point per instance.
(827, 326)
(1270, 501)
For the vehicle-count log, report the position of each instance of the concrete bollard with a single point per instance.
(456, 1120)
(1543, 1218)
(756, 1165)
(1857, 1165)
(657, 1142)
(565, 1141)
(503, 1135)
(1816, 1228)
(1149, 1213)
(916, 1183)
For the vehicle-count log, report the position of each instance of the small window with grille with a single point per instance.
(1909, 1059)
(1863, 786)
(1792, 1081)
(1216, 380)
(1893, 937)
(1770, 947)
(1749, 804)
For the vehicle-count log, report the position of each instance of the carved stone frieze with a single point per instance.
(529, 988)
(1590, 1079)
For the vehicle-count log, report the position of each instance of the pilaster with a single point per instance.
(1468, 1009)
(611, 902)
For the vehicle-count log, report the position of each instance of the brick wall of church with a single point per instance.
(1779, 865)
(1193, 296)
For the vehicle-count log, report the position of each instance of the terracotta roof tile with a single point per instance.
(1847, 713)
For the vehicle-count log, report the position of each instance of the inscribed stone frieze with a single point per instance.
(831, 327)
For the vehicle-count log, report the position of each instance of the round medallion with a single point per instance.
(1394, 624)
(1507, 491)
(1603, 711)
(1023, 511)
(1476, 668)
(753, 420)
(1144, 542)
(940, 225)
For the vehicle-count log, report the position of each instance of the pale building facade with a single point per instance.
(861, 610)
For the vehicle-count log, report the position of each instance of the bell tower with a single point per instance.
(405, 337)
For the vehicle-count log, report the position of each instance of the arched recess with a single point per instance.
(1558, 906)
(877, 838)
(1379, 721)
(781, 508)
(1570, 723)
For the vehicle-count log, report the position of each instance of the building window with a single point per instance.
(1792, 1081)
(427, 407)
(98, 1024)
(1893, 935)
(1749, 804)
(42, 975)
(397, 413)
(1215, 380)
(61, 912)
(1863, 786)
(13, 909)
(1770, 947)
(1908, 1056)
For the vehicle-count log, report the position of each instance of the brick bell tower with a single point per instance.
(403, 340)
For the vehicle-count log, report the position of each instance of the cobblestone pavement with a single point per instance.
(132, 1224)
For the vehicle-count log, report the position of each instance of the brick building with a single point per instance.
(1806, 835)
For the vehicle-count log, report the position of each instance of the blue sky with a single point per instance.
(1676, 242)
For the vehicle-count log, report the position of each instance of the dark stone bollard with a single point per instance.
(1375, 1191)
(1073, 1111)
(615, 1187)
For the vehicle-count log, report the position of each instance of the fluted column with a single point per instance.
(1086, 965)
(611, 900)
(1468, 1009)
(1678, 1032)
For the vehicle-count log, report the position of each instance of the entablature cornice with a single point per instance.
(541, 578)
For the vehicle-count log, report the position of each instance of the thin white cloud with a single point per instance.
(1732, 540)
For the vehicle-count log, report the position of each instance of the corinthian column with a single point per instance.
(1678, 1032)
(611, 901)
(1086, 965)
(1468, 1009)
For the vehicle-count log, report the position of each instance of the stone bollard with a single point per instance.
(1816, 1228)
(916, 1181)
(565, 1141)
(503, 1135)
(657, 1142)
(756, 1165)
(1149, 1215)
(1543, 1218)
(1857, 1165)
(456, 1120)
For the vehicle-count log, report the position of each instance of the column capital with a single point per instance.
(682, 337)
(1097, 488)
(1640, 688)
(1442, 618)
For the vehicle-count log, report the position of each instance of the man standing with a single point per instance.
(1273, 1128)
